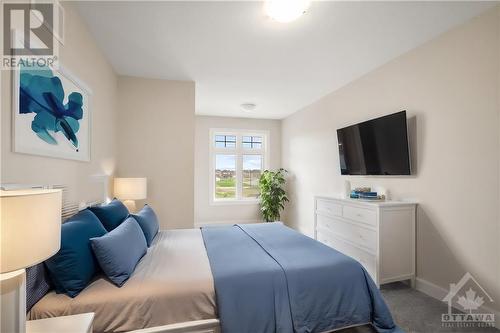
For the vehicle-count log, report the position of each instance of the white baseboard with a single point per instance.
(438, 292)
(219, 223)
(430, 289)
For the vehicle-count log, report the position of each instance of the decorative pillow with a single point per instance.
(72, 268)
(37, 284)
(119, 251)
(112, 214)
(148, 221)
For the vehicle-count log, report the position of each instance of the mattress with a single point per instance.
(172, 283)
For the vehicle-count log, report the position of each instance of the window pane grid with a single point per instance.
(225, 141)
(252, 142)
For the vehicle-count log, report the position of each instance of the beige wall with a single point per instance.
(498, 108)
(205, 212)
(156, 140)
(81, 56)
(148, 123)
(451, 87)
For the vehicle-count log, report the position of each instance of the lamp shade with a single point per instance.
(131, 188)
(30, 227)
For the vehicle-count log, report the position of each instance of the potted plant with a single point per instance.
(272, 194)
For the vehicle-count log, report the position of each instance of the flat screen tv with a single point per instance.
(375, 147)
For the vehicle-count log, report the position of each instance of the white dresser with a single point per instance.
(380, 235)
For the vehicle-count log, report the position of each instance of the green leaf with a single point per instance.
(272, 194)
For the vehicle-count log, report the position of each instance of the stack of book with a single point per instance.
(365, 193)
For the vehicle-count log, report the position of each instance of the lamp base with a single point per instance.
(13, 301)
(130, 204)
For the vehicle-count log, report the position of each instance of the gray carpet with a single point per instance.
(416, 312)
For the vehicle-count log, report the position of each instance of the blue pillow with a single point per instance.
(112, 214)
(119, 251)
(148, 221)
(72, 268)
(37, 284)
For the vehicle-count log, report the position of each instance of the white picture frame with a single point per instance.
(26, 141)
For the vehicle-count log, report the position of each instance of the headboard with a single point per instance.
(70, 208)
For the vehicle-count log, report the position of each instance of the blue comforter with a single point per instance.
(269, 278)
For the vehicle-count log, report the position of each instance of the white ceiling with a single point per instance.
(236, 54)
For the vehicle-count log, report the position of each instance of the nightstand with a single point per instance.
(80, 323)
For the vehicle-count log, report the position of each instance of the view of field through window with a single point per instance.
(226, 182)
(252, 169)
(225, 176)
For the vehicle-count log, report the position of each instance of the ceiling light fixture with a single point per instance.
(285, 11)
(248, 107)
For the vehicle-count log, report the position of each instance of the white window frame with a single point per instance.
(239, 151)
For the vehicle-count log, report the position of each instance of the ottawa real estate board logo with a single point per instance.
(467, 304)
(29, 34)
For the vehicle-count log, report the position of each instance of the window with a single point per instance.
(252, 142)
(237, 161)
(225, 141)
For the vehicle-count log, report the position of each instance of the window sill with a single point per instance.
(233, 202)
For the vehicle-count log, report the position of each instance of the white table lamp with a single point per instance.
(129, 190)
(30, 232)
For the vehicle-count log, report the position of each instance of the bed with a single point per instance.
(171, 284)
(268, 278)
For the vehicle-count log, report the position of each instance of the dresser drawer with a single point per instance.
(329, 207)
(323, 237)
(366, 259)
(362, 215)
(363, 237)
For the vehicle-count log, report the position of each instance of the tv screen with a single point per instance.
(375, 147)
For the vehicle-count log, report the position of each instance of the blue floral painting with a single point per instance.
(54, 108)
(42, 93)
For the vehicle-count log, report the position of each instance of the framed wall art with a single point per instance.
(51, 114)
